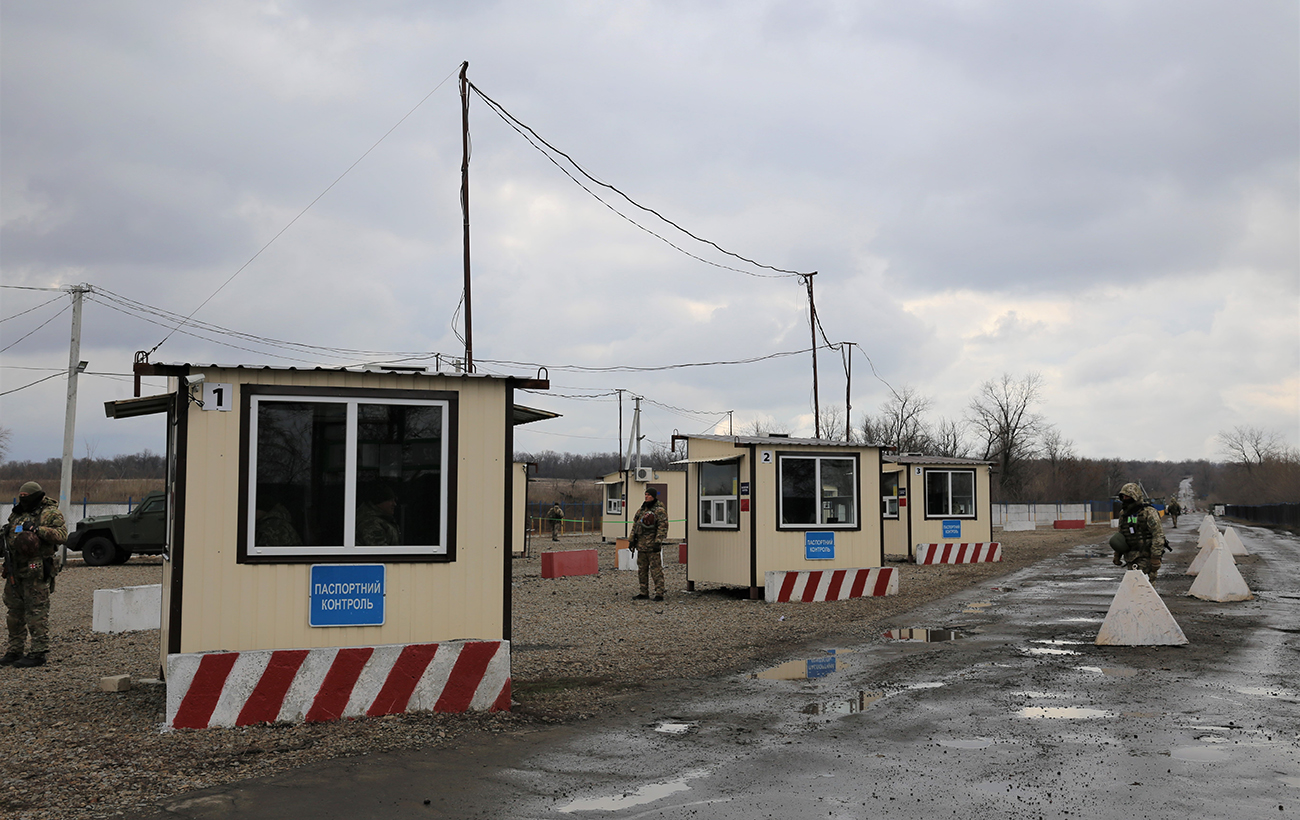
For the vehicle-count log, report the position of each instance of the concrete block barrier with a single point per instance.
(958, 553)
(570, 562)
(227, 689)
(1019, 526)
(829, 585)
(1068, 525)
(127, 609)
(627, 559)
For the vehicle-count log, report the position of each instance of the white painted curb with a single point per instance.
(128, 609)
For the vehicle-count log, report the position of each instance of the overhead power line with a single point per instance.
(533, 138)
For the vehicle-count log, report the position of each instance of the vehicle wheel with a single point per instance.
(99, 551)
(122, 556)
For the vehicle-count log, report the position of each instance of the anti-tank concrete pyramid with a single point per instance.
(1210, 543)
(1233, 542)
(1207, 523)
(1220, 580)
(1137, 617)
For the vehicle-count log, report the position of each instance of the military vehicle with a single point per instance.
(113, 539)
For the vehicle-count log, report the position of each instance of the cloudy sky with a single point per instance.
(1103, 193)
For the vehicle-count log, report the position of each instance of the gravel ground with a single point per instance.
(68, 750)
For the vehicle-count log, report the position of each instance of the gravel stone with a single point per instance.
(581, 646)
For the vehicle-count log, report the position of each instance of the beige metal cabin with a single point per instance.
(934, 500)
(619, 505)
(773, 503)
(270, 479)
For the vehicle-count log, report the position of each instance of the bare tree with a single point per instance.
(901, 422)
(949, 439)
(834, 426)
(1003, 417)
(1251, 446)
(1057, 449)
(6, 436)
(764, 426)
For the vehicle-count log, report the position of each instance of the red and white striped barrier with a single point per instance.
(829, 585)
(958, 553)
(313, 685)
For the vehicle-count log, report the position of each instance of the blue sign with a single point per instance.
(347, 595)
(820, 667)
(744, 488)
(818, 546)
(952, 529)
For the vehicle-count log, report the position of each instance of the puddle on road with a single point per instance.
(1198, 754)
(807, 669)
(646, 794)
(1062, 712)
(1293, 782)
(1043, 650)
(973, 743)
(925, 635)
(674, 728)
(1266, 692)
(844, 707)
(1109, 671)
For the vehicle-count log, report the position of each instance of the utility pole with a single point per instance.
(812, 326)
(464, 207)
(75, 366)
(848, 391)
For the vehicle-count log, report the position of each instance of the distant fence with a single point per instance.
(579, 517)
(1278, 514)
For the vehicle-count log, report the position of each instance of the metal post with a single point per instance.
(75, 366)
(812, 326)
(464, 205)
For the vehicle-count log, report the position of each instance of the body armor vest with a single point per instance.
(1137, 533)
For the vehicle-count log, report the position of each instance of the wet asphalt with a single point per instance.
(1015, 714)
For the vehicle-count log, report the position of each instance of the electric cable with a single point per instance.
(29, 310)
(33, 384)
(38, 327)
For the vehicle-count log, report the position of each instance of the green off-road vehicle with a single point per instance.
(113, 539)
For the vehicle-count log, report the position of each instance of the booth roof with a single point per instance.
(917, 458)
(777, 441)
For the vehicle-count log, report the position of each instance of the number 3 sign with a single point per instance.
(216, 396)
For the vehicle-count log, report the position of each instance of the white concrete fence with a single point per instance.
(1029, 516)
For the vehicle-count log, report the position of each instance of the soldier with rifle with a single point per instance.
(32, 536)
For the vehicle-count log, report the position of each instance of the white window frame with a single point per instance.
(948, 473)
(719, 502)
(818, 458)
(889, 503)
(349, 547)
(614, 505)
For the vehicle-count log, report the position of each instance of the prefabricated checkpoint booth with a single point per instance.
(339, 541)
(791, 519)
(937, 509)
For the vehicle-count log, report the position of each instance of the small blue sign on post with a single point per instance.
(820, 667)
(347, 595)
(818, 546)
(952, 529)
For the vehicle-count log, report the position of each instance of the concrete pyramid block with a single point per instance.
(1233, 542)
(1137, 617)
(1207, 523)
(1220, 580)
(1212, 543)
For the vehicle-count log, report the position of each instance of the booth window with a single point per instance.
(949, 493)
(818, 491)
(614, 498)
(719, 494)
(889, 495)
(347, 476)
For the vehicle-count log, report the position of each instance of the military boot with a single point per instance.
(28, 661)
(10, 658)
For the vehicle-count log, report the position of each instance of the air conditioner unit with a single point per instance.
(645, 474)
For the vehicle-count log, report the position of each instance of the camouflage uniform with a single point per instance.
(556, 517)
(274, 528)
(1140, 541)
(375, 528)
(1174, 510)
(29, 571)
(649, 529)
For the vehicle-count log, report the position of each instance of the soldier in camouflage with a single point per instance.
(376, 524)
(1140, 542)
(649, 529)
(1173, 510)
(273, 526)
(556, 516)
(32, 536)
